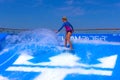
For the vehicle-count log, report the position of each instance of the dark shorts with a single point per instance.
(69, 31)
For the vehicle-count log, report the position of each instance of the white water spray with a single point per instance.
(33, 41)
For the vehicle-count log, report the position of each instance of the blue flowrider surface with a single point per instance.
(38, 56)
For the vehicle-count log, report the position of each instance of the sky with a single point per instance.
(48, 13)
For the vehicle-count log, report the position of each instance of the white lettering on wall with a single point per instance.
(102, 38)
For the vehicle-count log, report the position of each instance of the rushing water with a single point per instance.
(45, 46)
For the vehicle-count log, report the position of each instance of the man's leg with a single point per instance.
(65, 40)
(68, 39)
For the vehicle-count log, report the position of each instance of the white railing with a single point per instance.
(85, 30)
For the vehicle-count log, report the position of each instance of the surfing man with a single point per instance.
(69, 31)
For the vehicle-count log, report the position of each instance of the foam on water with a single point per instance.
(41, 48)
(34, 41)
(44, 41)
(3, 78)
